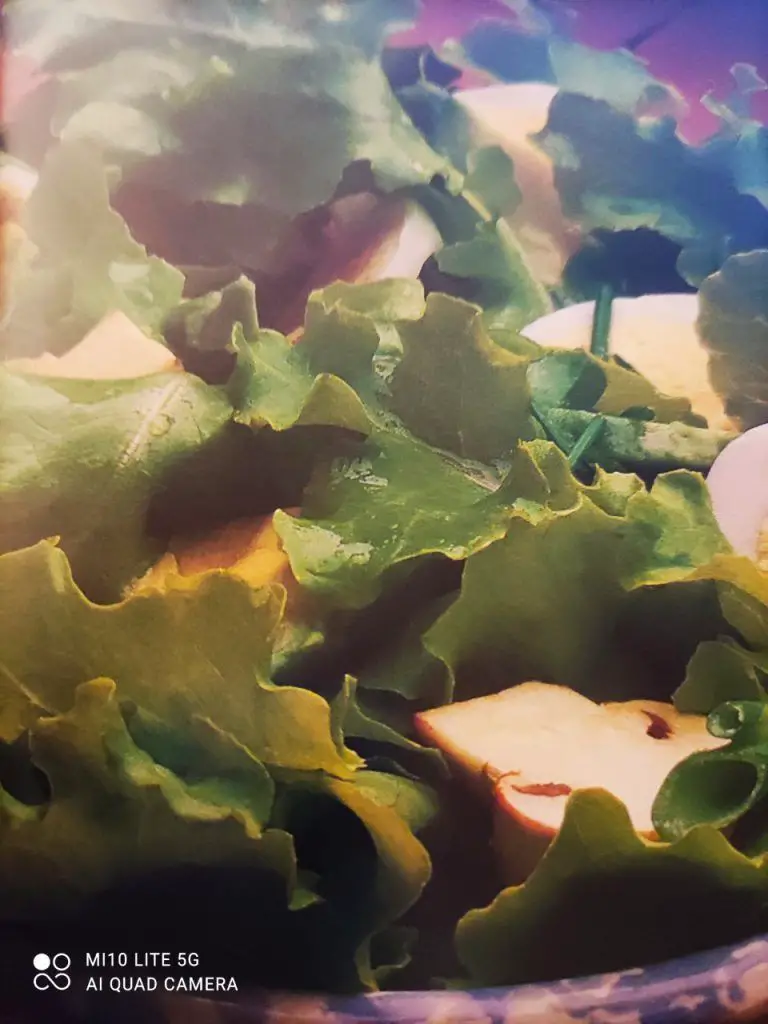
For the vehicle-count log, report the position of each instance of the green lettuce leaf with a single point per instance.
(423, 84)
(579, 380)
(743, 139)
(351, 330)
(273, 386)
(720, 671)
(403, 864)
(568, 380)
(487, 260)
(615, 172)
(223, 771)
(622, 169)
(377, 498)
(86, 262)
(492, 271)
(257, 76)
(353, 720)
(733, 308)
(206, 323)
(720, 787)
(224, 83)
(592, 580)
(85, 468)
(458, 390)
(199, 651)
(115, 812)
(491, 178)
(367, 886)
(53, 40)
(631, 443)
(122, 830)
(387, 503)
(727, 681)
(515, 52)
(598, 870)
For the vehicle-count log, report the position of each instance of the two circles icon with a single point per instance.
(51, 971)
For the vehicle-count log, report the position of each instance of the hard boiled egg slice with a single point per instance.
(656, 334)
(738, 487)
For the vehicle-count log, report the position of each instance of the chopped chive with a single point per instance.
(586, 440)
(553, 433)
(601, 323)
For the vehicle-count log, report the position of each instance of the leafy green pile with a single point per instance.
(473, 511)
(623, 172)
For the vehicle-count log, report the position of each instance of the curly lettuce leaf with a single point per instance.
(623, 171)
(361, 520)
(272, 386)
(613, 171)
(204, 325)
(742, 139)
(71, 848)
(631, 262)
(576, 596)
(172, 93)
(86, 263)
(351, 330)
(390, 809)
(201, 650)
(367, 885)
(579, 380)
(720, 671)
(101, 464)
(353, 720)
(121, 830)
(491, 270)
(482, 259)
(727, 680)
(733, 310)
(55, 41)
(384, 505)
(456, 388)
(633, 442)
(258, 782)
(423, 84)
(377, 498)
(721, 787)
(85, 468)
(515, 53)
(598, 870)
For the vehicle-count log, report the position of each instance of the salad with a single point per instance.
(383, 594)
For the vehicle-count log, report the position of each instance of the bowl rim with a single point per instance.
(728, 983)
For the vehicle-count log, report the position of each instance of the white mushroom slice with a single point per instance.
(536, 743)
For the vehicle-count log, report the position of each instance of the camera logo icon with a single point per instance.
(52, 972)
